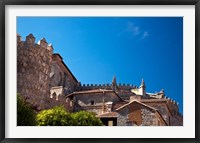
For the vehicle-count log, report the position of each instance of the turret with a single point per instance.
(142, 88)
(114, 83)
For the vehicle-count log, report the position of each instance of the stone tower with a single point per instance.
(33, 70)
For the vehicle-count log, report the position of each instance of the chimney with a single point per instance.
(135, 98)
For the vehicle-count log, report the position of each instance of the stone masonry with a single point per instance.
(33, 69)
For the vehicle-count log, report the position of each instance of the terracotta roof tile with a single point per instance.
(108, 114)
(94, 91)
(119, 104)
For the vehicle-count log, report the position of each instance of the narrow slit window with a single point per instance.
(92, 102)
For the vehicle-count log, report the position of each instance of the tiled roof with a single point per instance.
(154, 100)
(151, 108)
(94, 91)
(119, 104)
(108, 114)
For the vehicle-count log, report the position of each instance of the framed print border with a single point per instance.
(3, 5)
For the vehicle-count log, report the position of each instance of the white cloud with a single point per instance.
(145, 34)
(135, 30)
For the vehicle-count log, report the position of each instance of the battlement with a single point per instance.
(30, 43)
(125, 86)
(173, 102)
(33, 69)
(96, 85)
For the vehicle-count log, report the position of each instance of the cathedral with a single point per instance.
(46, 81)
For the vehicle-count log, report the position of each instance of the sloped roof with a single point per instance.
(157, 101)
(94, 91)
(56, 54)
(134, 101)
(119, 104)
(144, 105)
(108, 114)
(154, 100)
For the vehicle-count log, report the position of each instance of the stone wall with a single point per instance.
(94, 101)
(123, 90)
(97, 98)
(162, 108)
(139, 115)
(33, 70)
(148, 117)
(62, 76)
(123, 117)
(169, 111)
(59, 101)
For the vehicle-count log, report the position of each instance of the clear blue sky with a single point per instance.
(132, 48)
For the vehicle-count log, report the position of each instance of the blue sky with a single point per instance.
(97, 48)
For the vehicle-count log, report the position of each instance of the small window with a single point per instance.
(92, 102)
(110, 123)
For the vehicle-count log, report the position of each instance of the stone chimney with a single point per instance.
(109, 106)
(135, 98)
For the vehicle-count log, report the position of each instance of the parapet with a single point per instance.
(30, 43)
(125, 86)
(173, 102)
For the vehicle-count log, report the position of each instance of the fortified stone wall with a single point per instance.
(96, 98)
(123, 90)
(61, 75)
(33, 70)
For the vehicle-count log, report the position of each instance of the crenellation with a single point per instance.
(50, 47)
(19, 39)
(30, 40)
(43, 43)
(33, 69)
